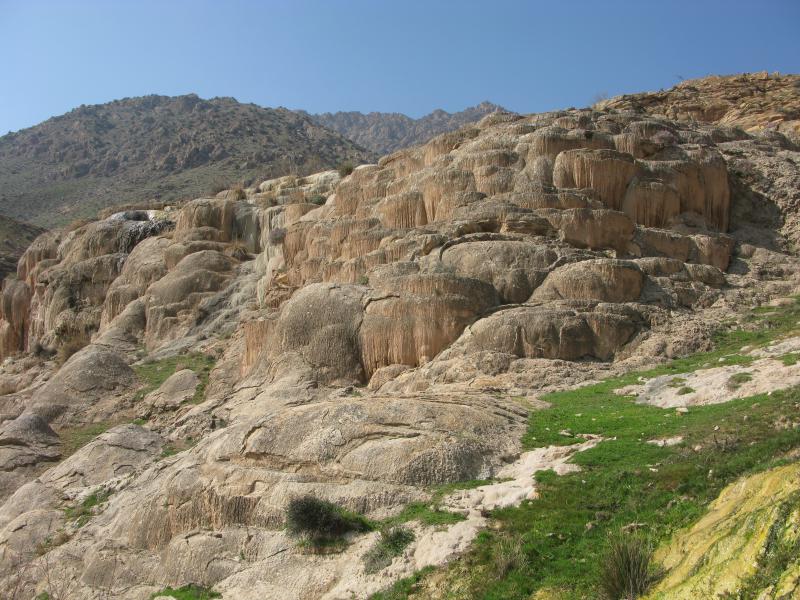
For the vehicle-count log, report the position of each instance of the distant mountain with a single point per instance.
(155, 147)
(384, 133)
(15, 237)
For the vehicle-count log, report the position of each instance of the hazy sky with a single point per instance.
(405, 55)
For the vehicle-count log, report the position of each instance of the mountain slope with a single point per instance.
(15, 237)
(386, 132)
(155, 147)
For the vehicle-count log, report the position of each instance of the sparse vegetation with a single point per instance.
(75, 438)
(317, 199)
(426, 513)
(154, 373)
(321, 523)
(81, 513)
(736, 380)
(363, 280)
(685, 389)
(59, 538)
(391, 543)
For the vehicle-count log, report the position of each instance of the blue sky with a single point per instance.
(405, 55)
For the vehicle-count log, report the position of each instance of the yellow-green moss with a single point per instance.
(727, 548)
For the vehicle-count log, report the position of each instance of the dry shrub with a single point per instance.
(238, 251)
(277, 235)
(77, 224)
(67, 349)
(237, 192)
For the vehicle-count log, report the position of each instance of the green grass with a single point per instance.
(425, 513)
(431, 513)
(402, 588)
(154, 373)
(188, 592)
(392, 542)
(790, 359)
(624, 480)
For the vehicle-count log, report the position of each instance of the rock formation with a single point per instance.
(371, 335)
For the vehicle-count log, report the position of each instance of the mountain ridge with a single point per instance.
(163, 147)
(385, 133)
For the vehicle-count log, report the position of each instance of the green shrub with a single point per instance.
(391, 543)
(685, 390)
(317, 199)
(626, 572)
(188, 592)
(320, 522)
(345, 169)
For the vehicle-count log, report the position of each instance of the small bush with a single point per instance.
(317, 199)
(345, 169)
(391, 543)
(277, 235)
(321, 522)
(626, 572)
(363, 280)
(685, 390)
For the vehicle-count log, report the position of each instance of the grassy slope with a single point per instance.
(624, 481)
